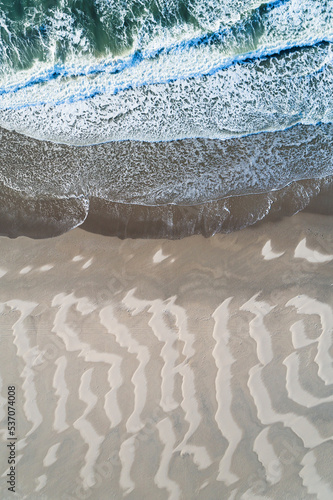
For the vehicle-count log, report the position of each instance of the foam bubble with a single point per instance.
(266, 71)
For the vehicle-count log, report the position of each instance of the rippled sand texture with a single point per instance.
(155, 369)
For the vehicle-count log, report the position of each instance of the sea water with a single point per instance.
(192, 100)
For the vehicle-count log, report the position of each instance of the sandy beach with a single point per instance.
(166, 250)
(157, 369)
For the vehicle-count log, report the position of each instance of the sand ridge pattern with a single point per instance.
(199, 368)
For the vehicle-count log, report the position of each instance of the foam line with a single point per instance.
(136, 59)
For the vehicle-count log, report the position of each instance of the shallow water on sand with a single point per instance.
(170, 189)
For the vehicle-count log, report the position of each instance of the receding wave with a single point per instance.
(169, 189)
(180, 172)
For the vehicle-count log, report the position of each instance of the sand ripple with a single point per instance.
(206, 374)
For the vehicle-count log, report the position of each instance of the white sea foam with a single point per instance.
(222, 82)
(248, 104)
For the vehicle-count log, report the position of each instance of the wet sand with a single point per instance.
(47, 217)
(161, 190)
(157, 369)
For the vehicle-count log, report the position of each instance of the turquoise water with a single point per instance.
(105, 71)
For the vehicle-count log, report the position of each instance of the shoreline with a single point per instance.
(159, 190)
(45, 218)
